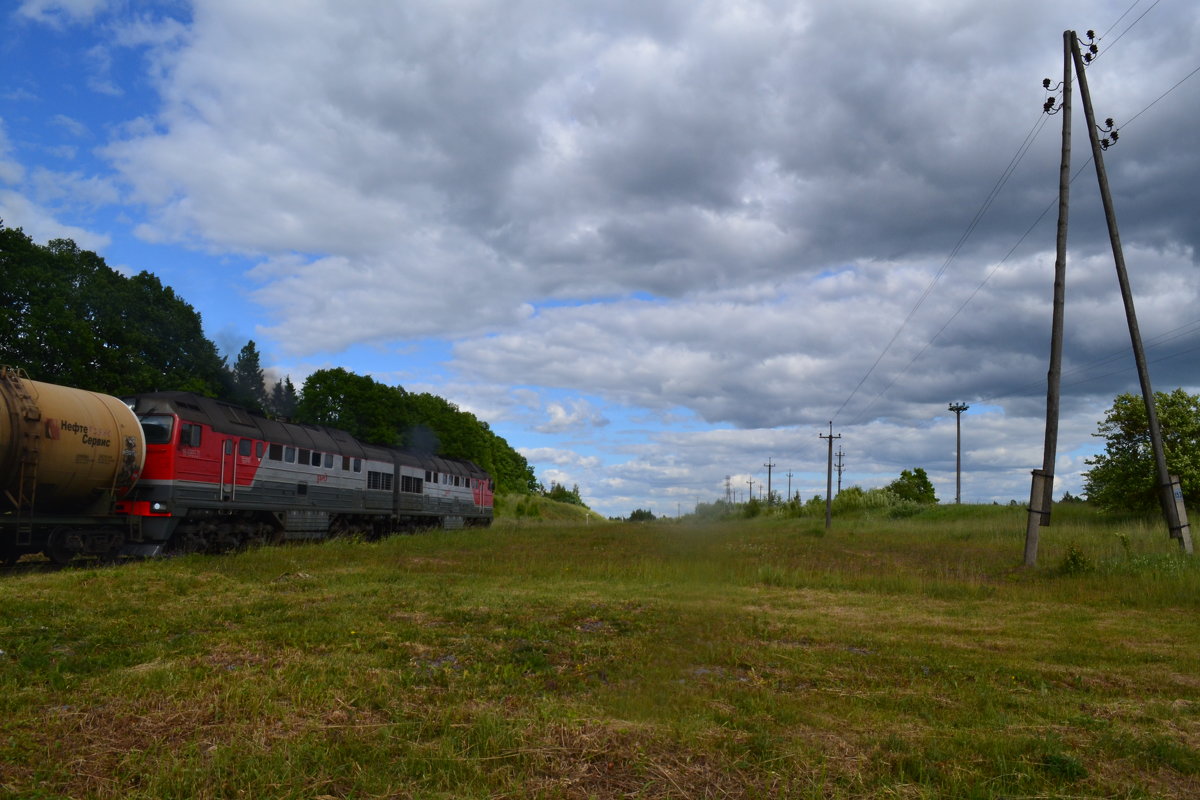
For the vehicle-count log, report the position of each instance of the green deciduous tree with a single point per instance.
(913, 485)
(1123, 477)
(366, 409)
(66, 317)
(375, 412)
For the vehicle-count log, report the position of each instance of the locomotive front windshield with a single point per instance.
(157, 428)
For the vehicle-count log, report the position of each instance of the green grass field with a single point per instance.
(769, 658)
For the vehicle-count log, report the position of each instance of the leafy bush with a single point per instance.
(1074, 561)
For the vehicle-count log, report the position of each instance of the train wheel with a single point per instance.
(185, 542)
(57, 549)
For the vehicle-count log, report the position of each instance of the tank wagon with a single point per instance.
(67, 456)
(178, 472)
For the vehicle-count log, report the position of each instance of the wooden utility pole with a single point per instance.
(1167, 492)
(829, 477)
(1039, 504)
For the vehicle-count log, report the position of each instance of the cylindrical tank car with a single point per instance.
(66, 456)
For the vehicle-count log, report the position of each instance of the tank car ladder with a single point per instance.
(24, 415)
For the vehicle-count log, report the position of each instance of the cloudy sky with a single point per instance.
(653, 244)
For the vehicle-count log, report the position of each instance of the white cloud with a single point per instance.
(575, 415)
(61, 12)
(690, 214)
(41, 225)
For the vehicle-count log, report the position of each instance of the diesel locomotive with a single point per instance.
(84, 473)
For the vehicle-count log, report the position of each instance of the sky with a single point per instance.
(656, 246)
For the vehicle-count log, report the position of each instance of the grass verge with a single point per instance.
(896, 658)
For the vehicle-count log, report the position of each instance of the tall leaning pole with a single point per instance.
(1042, 492)
(1170, 496)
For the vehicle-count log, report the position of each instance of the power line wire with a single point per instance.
(1016, 159)
(974, 223)
(1156, 341)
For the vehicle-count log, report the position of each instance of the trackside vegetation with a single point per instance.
(66, 317)
(887, 657)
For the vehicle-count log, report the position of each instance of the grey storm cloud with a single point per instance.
(767, 214)
(565, 151)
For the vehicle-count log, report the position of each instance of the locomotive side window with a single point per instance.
(345, 463)
(305, 457)
(157, 429)
(328, 460)
(316, 461)
(289, 455)
(275, 452)
(189, 434)
(379, 480)
(358, 465)
(245, 447)
(258, 450)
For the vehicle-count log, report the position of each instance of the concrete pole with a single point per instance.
(958, 409)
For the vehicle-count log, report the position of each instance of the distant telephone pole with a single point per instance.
(958, 409)
(789, 474)
(840, 466)
(751, 494)
(829, 477)
(769, 465)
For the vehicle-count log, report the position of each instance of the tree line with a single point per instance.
(66, 317)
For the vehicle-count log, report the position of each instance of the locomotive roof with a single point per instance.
(228, 418)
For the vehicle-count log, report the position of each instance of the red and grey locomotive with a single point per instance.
(86, 473)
